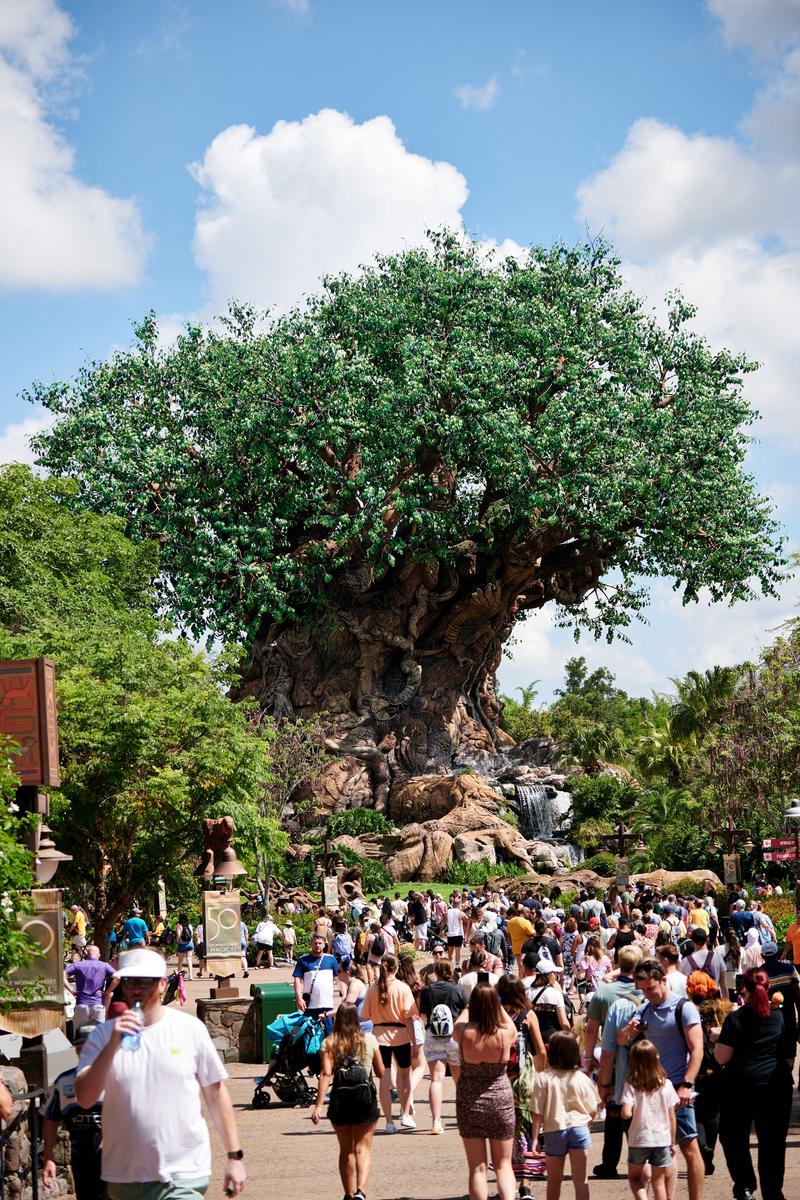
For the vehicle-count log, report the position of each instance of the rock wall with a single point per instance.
(17, 1154)
(232, 1026)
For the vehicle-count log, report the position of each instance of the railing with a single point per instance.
(6, 1131)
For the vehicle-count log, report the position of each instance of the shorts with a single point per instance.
(176, 1189)
(401, 1054)
(185, 947)
(686, 1123)
(560, 1141)
(421, 932)
(657, 1156)
(441, 1049)
(458, 940)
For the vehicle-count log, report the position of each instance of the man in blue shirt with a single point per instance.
(313, 978)
(673, 1026)
(135, 931)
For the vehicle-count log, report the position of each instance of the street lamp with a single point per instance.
(793, 814)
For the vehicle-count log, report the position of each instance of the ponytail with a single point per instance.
(387, 970)
(755, 985)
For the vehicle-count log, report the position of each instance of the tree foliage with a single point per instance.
(532, 415)
(16, 878)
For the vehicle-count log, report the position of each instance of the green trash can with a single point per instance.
(271, 1000)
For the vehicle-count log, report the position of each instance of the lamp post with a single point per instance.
(793, 814)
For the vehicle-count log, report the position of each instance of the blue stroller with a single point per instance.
(296, 1043)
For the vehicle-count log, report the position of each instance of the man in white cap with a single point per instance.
(155, 1141)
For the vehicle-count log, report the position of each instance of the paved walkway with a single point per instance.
(288, 1159)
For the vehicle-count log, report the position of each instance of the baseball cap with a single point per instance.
(136, 910)
(769, 948)
(545, 966)
(141, 964)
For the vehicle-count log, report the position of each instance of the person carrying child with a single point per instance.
(563, 1102)
(649, 1101)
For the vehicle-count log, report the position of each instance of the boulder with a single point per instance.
(666, 880)
(474, 847)
(430, 797)
(423, 853)
(539, 751)
(544, 854)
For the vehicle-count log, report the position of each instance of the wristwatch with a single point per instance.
(236, 1154)
(686, 1083)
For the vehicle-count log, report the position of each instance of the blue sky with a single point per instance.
(169, 155)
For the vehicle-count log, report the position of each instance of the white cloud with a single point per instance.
(319, 195)
(666, 189)
(478, 96)
(299, 7)
(56, 232)
(718, 217)
(764, 25)
(15, 439)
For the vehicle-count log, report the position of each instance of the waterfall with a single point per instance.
(535, 810)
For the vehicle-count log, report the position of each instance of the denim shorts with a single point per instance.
(657, 1156)
(560, 1141)
(686, 1123)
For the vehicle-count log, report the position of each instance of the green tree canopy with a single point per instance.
(433, 407)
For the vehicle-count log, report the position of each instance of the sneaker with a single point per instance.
(436, 1127)
(390, 1127)
(359, 1195)
(246, 975)
(408, 1122)
(524, 1192)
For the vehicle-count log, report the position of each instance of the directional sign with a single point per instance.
(779, 843)
(780, 856)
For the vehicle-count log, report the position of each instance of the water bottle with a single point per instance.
(132, 1041)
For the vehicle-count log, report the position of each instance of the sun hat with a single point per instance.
(546, 966)
(141, 964)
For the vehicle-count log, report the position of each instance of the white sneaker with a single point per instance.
(436, 1127)
(408, 1122)
(390, 1127)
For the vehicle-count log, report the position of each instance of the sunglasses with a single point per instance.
(146, 981)
(438, 954)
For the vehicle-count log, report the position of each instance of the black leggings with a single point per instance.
(402, 1054)
(769, 1106)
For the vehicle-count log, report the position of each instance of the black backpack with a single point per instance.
(352, 1090)
(378, 946)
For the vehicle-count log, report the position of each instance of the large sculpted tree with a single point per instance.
(371, 491)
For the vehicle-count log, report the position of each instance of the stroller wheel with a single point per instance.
(261, 1099)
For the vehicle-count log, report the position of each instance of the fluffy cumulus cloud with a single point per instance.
(15, 443)
(56, 231)
(718, 216)
(310, 197)
(478, 96)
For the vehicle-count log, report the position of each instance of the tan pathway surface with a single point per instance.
(288, 1159)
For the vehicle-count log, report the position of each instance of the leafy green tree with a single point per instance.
(149, 743)
(521, 719)
(703, 698)
(370, 492)
(596, 721)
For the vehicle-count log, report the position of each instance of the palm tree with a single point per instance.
(702, 700)
(660, 753)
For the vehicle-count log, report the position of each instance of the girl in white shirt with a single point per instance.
(648, 1102)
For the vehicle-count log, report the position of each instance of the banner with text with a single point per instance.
(222, 920)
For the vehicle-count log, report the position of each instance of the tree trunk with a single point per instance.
(403, 672)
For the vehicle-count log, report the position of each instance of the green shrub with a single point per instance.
(375, 879)
(354, 821)
(603, 864)
(408, 952)
(475, 874)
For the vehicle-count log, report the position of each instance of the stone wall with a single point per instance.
(17, 1155)
(232, 1025)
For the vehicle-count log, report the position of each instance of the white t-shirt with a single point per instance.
(265, 932)
(153, 1127)
(467, 982)
(455, 922)
(650, 1124)
(676, 982)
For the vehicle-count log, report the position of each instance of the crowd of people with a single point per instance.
(675, 1017)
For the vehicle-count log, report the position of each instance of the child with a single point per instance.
(648, 1102)
(563, 1102)
(289, 937)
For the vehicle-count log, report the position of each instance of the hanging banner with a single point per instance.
(222, 920)
(45, 927)
(330, 891)
(730, 868)
(623, 873)
(28, 717)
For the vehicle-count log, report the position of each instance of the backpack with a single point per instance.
(352, 1090)
(679, 1007)
(441, 1022)
(378, 947)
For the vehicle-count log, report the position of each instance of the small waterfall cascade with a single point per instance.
(535, 811)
